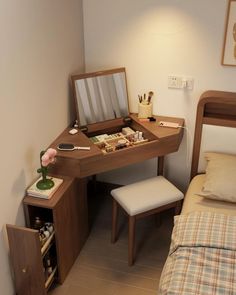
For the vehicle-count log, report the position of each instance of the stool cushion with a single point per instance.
(146, 195)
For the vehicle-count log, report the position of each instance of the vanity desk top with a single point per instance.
(81, 163)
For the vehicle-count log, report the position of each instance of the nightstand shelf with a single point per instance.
(67, 211)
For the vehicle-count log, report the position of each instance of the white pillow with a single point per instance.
(220, 181)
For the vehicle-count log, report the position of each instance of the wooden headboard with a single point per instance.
(214, 108)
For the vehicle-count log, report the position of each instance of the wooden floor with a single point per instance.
(101, 268)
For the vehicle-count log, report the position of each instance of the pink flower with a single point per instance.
(48, 157)
(45, 160)
(51, 152)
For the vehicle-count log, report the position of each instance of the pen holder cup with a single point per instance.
(144, 110)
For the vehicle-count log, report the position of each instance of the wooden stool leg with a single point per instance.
(160, 165)
(131, 250)
(114, 221)
(178, 208)
(158, 219)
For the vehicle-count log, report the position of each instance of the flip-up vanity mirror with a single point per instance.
(100, 96)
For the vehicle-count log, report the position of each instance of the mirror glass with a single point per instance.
(100, 96)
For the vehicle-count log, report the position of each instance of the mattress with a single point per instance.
(194, 202)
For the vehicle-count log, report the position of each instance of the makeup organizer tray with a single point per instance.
(116, 141)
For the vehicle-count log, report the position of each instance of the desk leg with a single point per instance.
(160, 165)
(94, 183)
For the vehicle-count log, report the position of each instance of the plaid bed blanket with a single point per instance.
(202, 257)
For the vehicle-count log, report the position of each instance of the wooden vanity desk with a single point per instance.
(67, 210)
(110, 130)
(80, 164)
(116, 139)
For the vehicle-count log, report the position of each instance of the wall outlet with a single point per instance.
(174, 82)
(180, 82)
(189, 84)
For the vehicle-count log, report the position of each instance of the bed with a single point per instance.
(202, 256)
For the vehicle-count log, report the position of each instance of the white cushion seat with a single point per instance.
(146, 195)
(141, 199)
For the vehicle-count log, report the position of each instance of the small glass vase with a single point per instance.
(44, 184)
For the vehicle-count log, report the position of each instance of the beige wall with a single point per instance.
(154, 39)
(41, 45)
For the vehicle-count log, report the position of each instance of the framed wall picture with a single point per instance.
(229, 49)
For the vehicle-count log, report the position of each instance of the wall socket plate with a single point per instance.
(174, 82)
(180, 82)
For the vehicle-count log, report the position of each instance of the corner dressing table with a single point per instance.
(68, 207)
(101, 102)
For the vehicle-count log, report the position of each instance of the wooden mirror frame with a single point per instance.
(94, 94)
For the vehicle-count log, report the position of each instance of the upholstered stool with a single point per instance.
(141, 199)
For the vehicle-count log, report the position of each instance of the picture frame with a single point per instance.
(229, 48)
